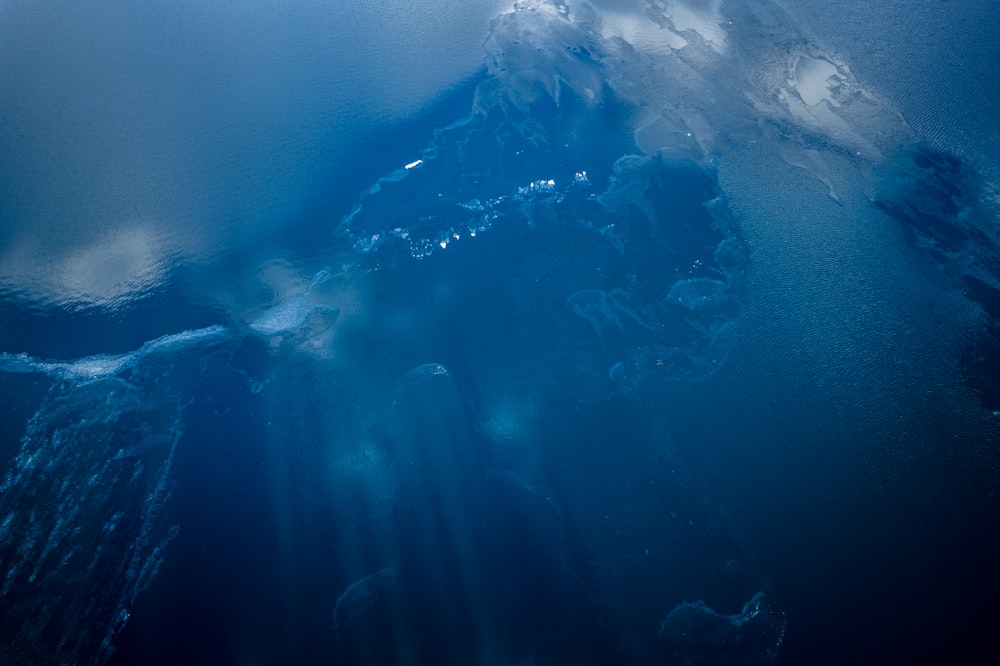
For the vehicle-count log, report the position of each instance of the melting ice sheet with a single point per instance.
(540, 261)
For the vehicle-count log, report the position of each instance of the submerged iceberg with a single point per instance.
(468, 446)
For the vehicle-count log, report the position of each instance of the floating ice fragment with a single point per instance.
(282, 317)
(291, 314)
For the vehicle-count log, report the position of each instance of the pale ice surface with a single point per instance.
(743, 75)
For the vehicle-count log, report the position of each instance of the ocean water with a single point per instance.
(547, 332)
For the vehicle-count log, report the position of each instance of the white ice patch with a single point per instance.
(815, 79)
(705, 20)
(639, 31)
(662, 27)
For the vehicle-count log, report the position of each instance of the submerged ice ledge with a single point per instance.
(106, 365)
(286, 318)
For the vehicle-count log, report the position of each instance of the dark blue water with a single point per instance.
(563, 334)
